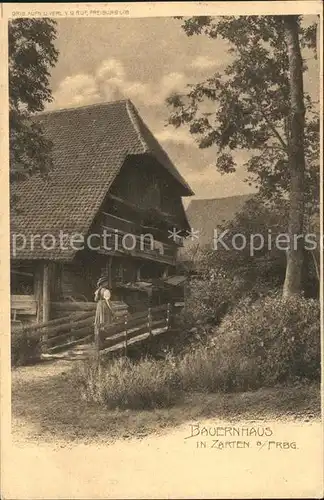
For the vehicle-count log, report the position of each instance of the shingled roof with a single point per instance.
(90, 145)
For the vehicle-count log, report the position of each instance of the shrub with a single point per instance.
(208, 299)
(283, 335)
(258, 344)
(213, 368)
(263, 343)
(25, 348)
(124, 384)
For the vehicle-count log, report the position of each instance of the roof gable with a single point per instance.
(90, 145)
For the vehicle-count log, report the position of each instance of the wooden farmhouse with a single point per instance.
(110, 180)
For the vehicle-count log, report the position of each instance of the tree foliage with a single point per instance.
(250, 100)
(31, 56)
(259, 267)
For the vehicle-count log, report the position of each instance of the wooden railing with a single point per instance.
(134, 328)
(141, 245)
(63, 333)
(128, 226)
(78, 328)
(116, 228)
(23, 305)
(113, 221)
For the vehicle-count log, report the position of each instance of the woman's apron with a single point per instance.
(103, 313)
(103, 317)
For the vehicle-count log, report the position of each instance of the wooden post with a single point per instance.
(126, 336)
(46, 295)
(315, 265)
(149, 321)
(72, 329)
(168, 316)
(109, 271)
(38, 293)
(97, 342)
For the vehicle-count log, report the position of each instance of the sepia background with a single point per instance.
(146, 60)
(96, 64)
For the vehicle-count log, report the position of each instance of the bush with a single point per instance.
(208, 300)
(217, 368)
(25, 348)
(258, 344)
(124, 384)
(263, 343)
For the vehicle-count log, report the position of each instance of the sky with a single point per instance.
(146, 60)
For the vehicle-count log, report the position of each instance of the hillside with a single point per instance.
(208, 214)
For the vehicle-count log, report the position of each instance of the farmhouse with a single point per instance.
(111, 184)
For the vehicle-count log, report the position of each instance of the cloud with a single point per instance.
(172, 82)
(110, 68)
(177, 136)
(126, 89)
(151, 94)
(75, 90)
(109, 82)
(203, 62)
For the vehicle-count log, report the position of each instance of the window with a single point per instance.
(21, 281)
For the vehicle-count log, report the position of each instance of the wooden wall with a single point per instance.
(143, 182)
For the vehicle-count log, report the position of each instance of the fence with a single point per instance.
(78, 328)
(63, 333)
(134, 328)
(23, 306)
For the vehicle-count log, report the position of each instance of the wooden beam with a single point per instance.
(139, 209)
(22, 273)
(118, 218)
(74, 306)
(46, 292)
(109, 271)
(62, 347)
(139, 255)
(60, 321)
(38, 293)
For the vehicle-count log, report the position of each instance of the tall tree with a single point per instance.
(251, 109)
(31, 56)
(296, 157)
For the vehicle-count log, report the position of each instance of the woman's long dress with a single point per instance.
(103, 313)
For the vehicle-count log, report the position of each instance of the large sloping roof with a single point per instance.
(208, 214)
(90, 145)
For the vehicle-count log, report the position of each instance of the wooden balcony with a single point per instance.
(124, 237)
(112, 221)
(116, 241)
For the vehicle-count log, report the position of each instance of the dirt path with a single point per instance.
(64, 448)
(46, 407)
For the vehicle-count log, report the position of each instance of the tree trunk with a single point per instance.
(293, 278)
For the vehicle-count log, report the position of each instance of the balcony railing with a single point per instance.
(122, 236)
(112, 221)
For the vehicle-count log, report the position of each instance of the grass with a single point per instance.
(123, 384)
(44, 409)
(240, 373)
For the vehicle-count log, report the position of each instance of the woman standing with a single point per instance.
(104, 312)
